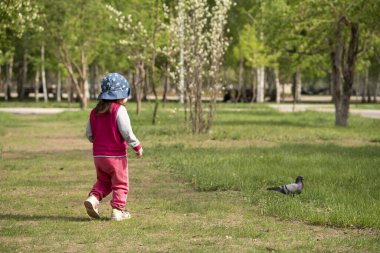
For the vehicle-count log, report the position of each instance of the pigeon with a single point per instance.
(290, 189)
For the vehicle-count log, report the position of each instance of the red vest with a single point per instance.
(108, 141)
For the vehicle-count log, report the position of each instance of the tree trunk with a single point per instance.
(93, 80)
(69, 88)
(165, 83)
(43, 74)
(241, 80)
(364, 81)
(336, 60)
(152, 66)
(376, 89)
(1, 80)
(199, 122)
(195, 102)
(86, 86)
(213, 95)
(156, 101)
(83, 101)
(254, 84)
(146, 84)
(155, 112)
(59, 87)
(368, 87)
(344, 66)
(278, 85)
(260, 84)
(132, 80)
(331, 83)
(97, 81)
(21, 88)
(37, 85)
(297, 86)
(139, 82)
(211, 106)
(181, 86)
(349, 70)
(377, 55)
(80, 84)
(357, 87)
(8, 82)
(84, 79)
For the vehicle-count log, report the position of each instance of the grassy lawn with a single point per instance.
(201, 193)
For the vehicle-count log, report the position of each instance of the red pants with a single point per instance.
(112, 175)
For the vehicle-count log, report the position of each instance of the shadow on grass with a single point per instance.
(270, 123)
(302, 150)
(21, 217)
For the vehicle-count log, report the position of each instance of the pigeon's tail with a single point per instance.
(278, 189)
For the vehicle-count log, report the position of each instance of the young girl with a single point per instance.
(109, 129)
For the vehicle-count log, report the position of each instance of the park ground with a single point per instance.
(179, 204)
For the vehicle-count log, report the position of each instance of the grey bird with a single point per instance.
(290, 189)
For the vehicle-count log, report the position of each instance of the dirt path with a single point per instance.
(368, 113)
(25, 110)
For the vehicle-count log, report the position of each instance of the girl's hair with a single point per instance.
(104, 106)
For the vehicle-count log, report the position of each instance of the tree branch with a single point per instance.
(68, 65)
(377, 54)
(295, 51)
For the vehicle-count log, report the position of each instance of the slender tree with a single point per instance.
(76, 37)
(139, 44)
(340, 29)
(16, 17)
(203, 48)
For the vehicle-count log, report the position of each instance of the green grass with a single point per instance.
(189, 193)
(340, 165)
(341, 182)
(370, 106)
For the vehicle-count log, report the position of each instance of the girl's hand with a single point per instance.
(139, 152)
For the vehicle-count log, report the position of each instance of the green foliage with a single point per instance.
(17, 16)
(253, 49)
(71, 26)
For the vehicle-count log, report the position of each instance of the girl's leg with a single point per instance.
(102, 187)
(120, 183)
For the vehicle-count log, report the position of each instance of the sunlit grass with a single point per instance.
(340, 165)
(213, 200)
(341, 182)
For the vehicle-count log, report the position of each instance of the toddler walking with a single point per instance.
(109, 129)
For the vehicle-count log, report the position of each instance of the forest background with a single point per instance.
(244, 50)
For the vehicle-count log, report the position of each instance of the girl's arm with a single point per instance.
(89, 132)
(125, 128)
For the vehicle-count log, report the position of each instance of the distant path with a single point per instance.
(368, 113)
(26, 111)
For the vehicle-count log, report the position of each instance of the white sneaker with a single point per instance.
(120, 215)
(92, 207)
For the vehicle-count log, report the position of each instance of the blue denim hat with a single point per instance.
(114, 86)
